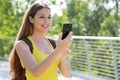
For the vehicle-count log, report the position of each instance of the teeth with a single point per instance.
(45, 26)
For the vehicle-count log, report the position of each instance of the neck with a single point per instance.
(38, 37)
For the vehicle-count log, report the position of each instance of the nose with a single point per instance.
(46, 20)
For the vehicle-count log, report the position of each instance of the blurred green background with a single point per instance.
(89, 18)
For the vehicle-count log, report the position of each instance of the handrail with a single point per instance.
(96, 56)
(96, 37)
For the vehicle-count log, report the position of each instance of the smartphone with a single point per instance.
(67, 27)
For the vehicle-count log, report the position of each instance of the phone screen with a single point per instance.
(66, 29)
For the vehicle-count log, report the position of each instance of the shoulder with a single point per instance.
(20, 44)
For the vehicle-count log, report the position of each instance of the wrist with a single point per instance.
(63, 59)
(57, 52)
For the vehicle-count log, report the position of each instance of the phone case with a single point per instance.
(66, 29)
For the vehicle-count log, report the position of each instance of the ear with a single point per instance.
(30, 19)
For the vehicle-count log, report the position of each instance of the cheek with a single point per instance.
(50, 22)
(38, 22)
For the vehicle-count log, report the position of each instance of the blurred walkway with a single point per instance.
(4, 72)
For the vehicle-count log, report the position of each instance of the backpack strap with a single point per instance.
(21, 75)
(28, 42)
(52, 42)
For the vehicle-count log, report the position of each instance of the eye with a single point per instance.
(49, 17)
(41, 17)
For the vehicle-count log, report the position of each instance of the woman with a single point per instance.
(42, 64)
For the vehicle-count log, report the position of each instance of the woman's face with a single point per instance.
(42, 20)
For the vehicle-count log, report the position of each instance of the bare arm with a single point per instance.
(63, 65)
(29, 62)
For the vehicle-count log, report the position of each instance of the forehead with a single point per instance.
(44, 11)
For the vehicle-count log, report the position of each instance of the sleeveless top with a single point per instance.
(50, 73)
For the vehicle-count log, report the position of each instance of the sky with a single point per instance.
(56, 8)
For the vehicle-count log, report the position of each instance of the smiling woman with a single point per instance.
(41, 20)
(43, 61)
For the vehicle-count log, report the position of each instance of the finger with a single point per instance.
(70, 35)
(60, 36)
(68, 51)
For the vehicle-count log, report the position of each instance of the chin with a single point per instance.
(45, 31)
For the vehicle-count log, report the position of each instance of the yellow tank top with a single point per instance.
(50, 73)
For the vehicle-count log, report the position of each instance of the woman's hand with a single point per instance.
(62, 45)
(65, 54)
(63, 64)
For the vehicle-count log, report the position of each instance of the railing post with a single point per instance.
(115, 61)
(88, 56)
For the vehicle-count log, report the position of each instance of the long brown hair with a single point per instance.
(26, 29)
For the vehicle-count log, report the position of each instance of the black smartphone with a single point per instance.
(67, 27)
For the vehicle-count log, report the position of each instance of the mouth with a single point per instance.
(45, 26)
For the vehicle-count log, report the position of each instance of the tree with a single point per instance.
(12, 13)
(6, 11)
(88, 20)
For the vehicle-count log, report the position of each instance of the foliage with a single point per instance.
(7, 44)
(7, 12)
(88, 21)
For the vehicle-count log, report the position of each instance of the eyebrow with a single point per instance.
(43, 14)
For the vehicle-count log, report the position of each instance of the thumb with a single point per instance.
(60, 36)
